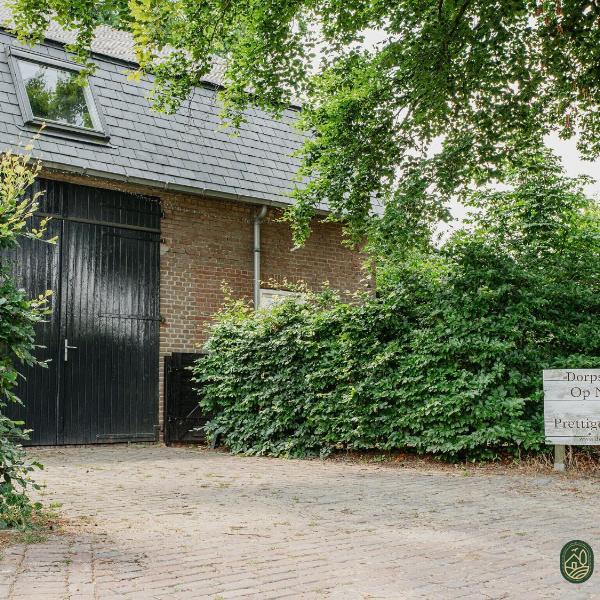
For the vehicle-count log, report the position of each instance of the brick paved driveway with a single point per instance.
(168, 523)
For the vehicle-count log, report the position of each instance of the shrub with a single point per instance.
(18, 316)
(447, 359)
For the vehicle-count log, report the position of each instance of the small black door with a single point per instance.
(101, 384)
(184, 419)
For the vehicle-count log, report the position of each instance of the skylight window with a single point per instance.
(51, 93)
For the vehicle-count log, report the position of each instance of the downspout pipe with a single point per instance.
(258, 219)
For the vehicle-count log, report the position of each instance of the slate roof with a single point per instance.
(188, 151)
(107, 42)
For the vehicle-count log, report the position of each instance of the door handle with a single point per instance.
(67, 348)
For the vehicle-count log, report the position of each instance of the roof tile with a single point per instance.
(188, 149)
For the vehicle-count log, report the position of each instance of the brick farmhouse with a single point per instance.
(153, 213)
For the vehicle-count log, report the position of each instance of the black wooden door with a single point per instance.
(36, 267)
(184, 419)
(103, 332)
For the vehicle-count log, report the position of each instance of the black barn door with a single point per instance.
(36, 267)
(102, 337)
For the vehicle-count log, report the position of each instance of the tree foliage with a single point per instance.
(487, 77)
(18, 317)
(447, 358)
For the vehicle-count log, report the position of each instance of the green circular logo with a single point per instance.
(576, 561)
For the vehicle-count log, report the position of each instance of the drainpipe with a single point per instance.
(258, 219)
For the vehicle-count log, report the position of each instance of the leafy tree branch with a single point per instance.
(487, 78)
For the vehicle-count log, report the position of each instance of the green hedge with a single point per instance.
(447, 359)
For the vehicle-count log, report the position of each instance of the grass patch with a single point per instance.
(44, 522)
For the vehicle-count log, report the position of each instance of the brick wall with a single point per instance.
(206, 243)
(322, 259)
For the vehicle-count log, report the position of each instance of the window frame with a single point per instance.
(15, 55)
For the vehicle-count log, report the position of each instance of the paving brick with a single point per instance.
(186, 523)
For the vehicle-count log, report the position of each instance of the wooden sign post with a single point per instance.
(571, 410)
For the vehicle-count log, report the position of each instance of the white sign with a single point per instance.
(572, 406)
(270, 297)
